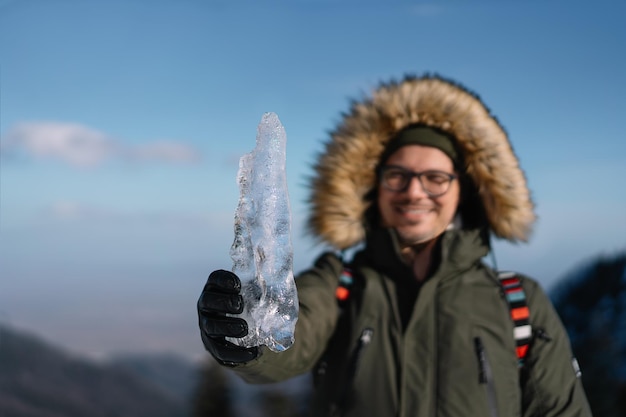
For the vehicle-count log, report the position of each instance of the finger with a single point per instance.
(223, 281)
(223, 326)
(212, 302)
(228, 353)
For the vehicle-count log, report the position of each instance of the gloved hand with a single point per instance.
(221, 294)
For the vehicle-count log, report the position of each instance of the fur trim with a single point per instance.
(345, 171)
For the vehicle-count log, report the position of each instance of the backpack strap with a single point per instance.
(346, 280)
(516, 298)
(349, 291)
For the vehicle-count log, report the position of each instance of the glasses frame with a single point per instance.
(412, 174)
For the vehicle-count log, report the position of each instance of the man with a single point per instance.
(417, 177)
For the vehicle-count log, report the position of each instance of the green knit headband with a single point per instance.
(425, 136)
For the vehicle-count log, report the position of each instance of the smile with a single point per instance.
(410, 213)
(414, 210)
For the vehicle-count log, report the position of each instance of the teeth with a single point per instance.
(415, 210)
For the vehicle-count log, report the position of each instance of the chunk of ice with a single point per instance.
(262, 254)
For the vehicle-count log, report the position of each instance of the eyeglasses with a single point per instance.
(434, 183)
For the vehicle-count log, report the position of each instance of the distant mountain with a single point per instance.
(591, 302)
(172, 373)
(40, 380)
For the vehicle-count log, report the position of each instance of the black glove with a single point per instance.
(221, 294)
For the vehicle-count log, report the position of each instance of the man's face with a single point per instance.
(416, 216)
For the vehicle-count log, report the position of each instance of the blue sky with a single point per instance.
(122, 123)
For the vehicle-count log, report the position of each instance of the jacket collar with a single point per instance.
(458, 250)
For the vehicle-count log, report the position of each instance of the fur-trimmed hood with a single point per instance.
(345, 170)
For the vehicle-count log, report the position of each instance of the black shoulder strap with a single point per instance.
(516, 298)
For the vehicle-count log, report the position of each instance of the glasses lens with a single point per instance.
(435, 183)
(395, 179)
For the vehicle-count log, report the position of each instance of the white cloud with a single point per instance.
(74, 211)
(163, 151)
(427, 10)
(82, 146)
(67, 210)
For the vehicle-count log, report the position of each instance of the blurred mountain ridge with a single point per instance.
(591, 302)
(41, 380)
(38, 379)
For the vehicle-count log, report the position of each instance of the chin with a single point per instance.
(413, 237)
(410, 239)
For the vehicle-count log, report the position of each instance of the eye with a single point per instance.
(396, 174)
(395, 178)
(436, 177)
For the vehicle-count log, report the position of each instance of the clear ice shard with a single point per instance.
(262, 253)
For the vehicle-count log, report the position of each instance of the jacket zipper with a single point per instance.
(485, 376)
(364, 340)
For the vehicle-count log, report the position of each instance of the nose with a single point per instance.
(415, 188)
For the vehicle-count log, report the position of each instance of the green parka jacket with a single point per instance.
(453, 356)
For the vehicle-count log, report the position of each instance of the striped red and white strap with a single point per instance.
(516, 297)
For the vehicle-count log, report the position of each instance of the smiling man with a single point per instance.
(419, 192)
(417, 178)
